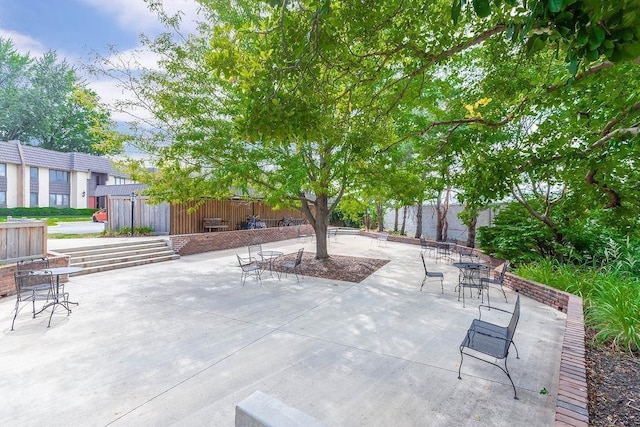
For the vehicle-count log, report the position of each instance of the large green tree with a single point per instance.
(43, 102)
(529, 135)
(293, 98)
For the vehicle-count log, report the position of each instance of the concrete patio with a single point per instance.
(182, 342)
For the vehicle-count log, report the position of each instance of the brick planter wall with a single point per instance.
(189, 244)
(537, 291)
(7, 282)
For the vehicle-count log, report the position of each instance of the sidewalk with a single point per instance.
(182, 342)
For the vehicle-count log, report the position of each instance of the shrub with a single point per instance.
(45, 212)
(517, 236)
(126, 231)
(613, 310)
(611, 297)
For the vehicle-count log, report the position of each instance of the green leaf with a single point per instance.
(554, 6)
(456, 7)
(482, 8)
(596, 36)
(592, 55)
(565, 16)
(573, 66)
(582, 38)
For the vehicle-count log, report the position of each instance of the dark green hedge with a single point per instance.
(45, 212)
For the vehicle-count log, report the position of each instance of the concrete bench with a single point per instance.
(262, 410)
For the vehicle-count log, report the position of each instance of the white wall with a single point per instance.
(78, 185)
(12, 187)
(457, 230)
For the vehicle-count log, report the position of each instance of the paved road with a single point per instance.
(82, 227)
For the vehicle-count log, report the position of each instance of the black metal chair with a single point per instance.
(486, 281)
(491, 340)
(426, 248)
(294, 267)
(41, 263)
(468, 255)
(302, 236)
(249, 267)
(32, 286)
(471, 278)
(431, 274)
(443, 251)
(254, 253)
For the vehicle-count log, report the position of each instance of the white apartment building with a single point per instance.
(36, 177)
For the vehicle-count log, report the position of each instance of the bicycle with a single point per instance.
(286, 222)
(254, 222)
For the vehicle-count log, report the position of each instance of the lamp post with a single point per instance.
(133, 198)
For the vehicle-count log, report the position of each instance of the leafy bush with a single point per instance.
(126, 231)
(611, 296)
(613, 310)
(45, 212)
(517, 236)
(593, 237)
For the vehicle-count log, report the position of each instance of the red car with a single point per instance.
(99, 216)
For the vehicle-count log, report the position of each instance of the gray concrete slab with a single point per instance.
(182, 342)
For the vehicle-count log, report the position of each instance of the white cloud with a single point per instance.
(136, 13)
(24, 43)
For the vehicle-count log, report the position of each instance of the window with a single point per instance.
(34, 174)
(3, 169)
(59, 200)
(3, 199)
(119, 181)
(58, 176)
(34, 200)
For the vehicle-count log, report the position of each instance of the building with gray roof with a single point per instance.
(37, 177)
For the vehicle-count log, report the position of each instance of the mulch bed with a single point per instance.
(345, 268)
(613, 381)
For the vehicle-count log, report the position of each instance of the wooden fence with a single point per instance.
(21, 239)
(174, 219)
(234, 212)
(155, 217)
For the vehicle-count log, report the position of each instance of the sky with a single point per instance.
(76, 28)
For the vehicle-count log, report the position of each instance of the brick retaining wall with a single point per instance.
(7, 282)
(189, 244)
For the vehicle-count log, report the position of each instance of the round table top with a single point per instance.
(472, 265)
(64, 270)
(270, 253)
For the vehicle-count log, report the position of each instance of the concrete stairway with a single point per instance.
(119, 255)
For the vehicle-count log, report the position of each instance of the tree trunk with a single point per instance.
(395, 221)
(418, 220)
(380, 217)
(471, 232)
(439, 219)
(320, 223)
(445, 213)
(405, 209)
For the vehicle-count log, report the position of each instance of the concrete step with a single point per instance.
(125, 252)
(125, 264)
(114, 247)
(120, 258)
(112, 256)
